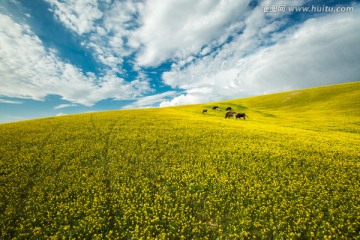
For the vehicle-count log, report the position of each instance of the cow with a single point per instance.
(216, 108)
(230, 114)
(228, 109)
(240, 115)
(204, 111)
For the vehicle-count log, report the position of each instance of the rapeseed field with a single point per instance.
(289, 171)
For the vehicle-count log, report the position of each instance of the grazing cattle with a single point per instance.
(240, 115)
(204, 111)
(228, 109)
(216, 108)
(230, 114)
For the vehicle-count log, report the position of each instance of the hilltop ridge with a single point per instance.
(339, 97)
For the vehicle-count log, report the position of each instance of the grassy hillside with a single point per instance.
(290, 170)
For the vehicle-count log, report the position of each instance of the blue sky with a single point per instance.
(70, 56)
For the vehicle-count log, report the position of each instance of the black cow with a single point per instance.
(204, 111)
(240, 115)
(230, 114)
(228, 109)
(216, 108)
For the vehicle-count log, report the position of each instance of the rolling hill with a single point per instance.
(290, 170)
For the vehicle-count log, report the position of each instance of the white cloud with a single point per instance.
(192, 96)
(78, 15)
(29, 70)
(149, 101)
(176, 29)
(103, 31)
(320, 51)
(64, 106)
(10, 101)
(60, 114)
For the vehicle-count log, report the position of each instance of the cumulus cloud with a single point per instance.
(320, 51)
(154, 30)
(78, 15)
(176, 29)
(29, 70)
(103, 31)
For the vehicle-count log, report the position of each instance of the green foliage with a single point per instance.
(290, 170)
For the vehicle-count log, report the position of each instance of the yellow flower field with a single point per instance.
(289, 171)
